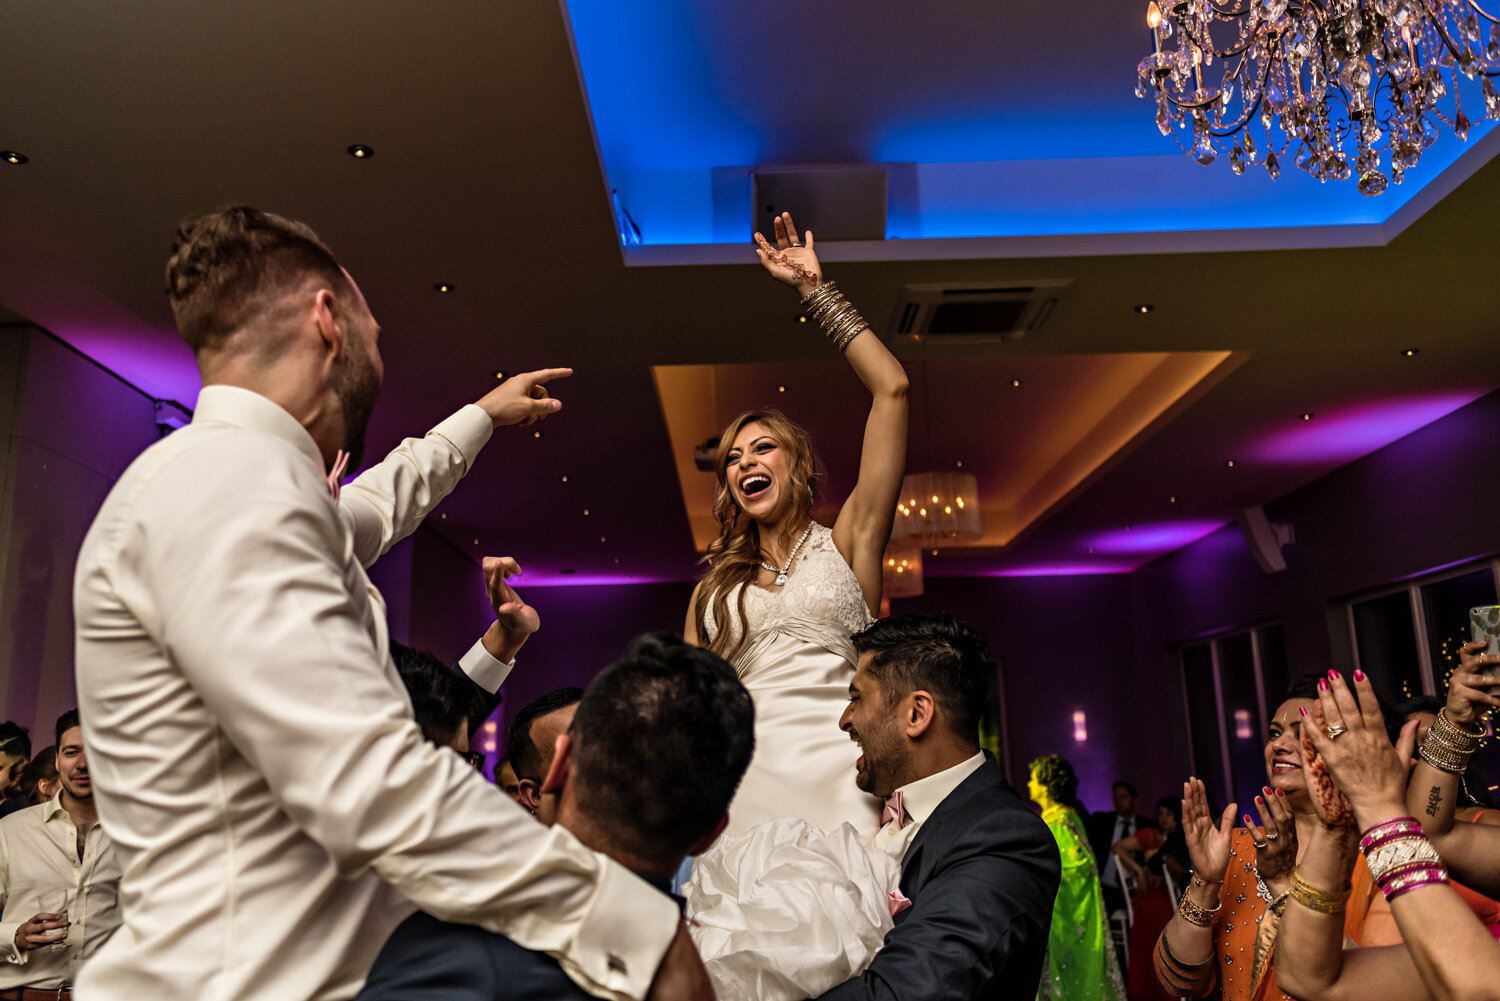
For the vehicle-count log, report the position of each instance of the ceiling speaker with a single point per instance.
(1264, 539)
(836, 203)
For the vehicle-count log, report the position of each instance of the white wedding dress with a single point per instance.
(793, 899)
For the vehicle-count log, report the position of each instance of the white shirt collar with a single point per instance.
(246, 408)
(923, 796)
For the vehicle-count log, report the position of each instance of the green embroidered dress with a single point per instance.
(1081, 963)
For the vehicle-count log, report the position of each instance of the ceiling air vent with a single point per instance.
(975, 313)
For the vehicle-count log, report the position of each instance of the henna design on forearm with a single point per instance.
(1434, 799)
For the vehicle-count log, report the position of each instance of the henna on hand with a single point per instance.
(1332, 806)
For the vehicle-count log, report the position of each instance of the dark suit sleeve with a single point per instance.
(987, 909)
(430, 960)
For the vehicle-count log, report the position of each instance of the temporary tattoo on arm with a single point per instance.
(1434, 798)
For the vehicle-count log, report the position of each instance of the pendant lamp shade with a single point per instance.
(938, 509)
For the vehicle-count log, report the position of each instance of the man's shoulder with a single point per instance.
(985, 809)
(26, 817)
(427, 959)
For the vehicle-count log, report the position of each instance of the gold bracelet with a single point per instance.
(1456, 736)
(1314, 899)
(1197, 915)
(1442, 755)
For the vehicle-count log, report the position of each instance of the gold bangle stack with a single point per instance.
(1447, 746)
(1314, 899)
(1194, 914)
(837, 316)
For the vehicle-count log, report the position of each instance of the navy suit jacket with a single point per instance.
(981, 875)
(430, 960)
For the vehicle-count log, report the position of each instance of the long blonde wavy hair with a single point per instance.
(735, 556)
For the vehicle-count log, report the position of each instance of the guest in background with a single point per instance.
(1476, 804)
(15, 752)
(442, 699)
(39, 781)
(530, 743)
(644, 774)
(1107, 828)
(59, 880)
(1164, 850)
(1081, 963)
(1225, 930)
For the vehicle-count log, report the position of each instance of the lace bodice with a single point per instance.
(820, 590)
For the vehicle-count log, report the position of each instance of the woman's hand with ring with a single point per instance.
(1275, 837)
(789, 261)
(1471, 688)
(1358, 777)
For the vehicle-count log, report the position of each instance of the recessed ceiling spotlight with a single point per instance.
(1125, 527)
(1172, 499)
(617, 559)
(500, 373)
(536, 434)
(960, 464)
(585, 512)
(1411, 352)
(360, 151)
(1144, 308)
(603, 539)
(565, 477)
(476, 542)
(444, 515)
(781, 389)
(443, 287)
(1308, 416)
(1229, 463)
(802, 319)
(11, 156)
(1091, 550)
(1016, 383)
(934, 552)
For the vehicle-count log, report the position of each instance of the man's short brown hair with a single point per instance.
(228, 265)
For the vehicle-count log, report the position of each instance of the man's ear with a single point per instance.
(328, 321)
(707, 842)
(557, 775)
(529, 794)
(918, 713)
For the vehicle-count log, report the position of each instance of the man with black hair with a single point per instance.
(978, 868)
(59, 879)
(531, 741)
(644, 774)
(1107, 827)
(443, 700)
(15, 752)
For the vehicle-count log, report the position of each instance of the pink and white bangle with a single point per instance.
(1411, 879)
(1397, 827)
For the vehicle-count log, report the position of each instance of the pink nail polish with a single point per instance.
(1333, 675)
(1304, 711)
(1359, 675)
(1322, 685)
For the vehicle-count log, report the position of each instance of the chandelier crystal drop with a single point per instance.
(1346, 88)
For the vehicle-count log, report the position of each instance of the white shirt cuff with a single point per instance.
(621, 943)
(484, 668)
(468, 431)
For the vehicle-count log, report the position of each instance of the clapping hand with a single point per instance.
(790, 261)
(522, 399)
(1358, 778)
(1275, 837)
(1208, 843)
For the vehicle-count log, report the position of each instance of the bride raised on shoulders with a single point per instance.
(782, 594)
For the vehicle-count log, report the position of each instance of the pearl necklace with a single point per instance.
(781, 574)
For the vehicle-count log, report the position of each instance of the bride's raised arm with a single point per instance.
(864, 524)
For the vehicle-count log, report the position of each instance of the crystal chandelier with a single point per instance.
(1356, 84)
(938, 509)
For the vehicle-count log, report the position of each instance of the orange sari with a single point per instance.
(1245, 933)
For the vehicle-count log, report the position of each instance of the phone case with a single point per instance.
(1484, 626)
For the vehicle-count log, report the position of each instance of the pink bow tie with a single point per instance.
(895, 810)
(340, 463)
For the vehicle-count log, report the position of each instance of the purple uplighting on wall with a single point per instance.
(1344, 436)
(535, 578)
(1064, 570)
(1153, 539)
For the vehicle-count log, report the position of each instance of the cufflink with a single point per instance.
(617, 965)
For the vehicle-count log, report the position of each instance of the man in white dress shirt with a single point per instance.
(275, 807)
(59, 880)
